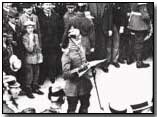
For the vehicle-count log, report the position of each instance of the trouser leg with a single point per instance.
(35, 76)
(139, 41)
(72, 103)
(43, 69)
(115, 44)
(28, 75)
(84, 102)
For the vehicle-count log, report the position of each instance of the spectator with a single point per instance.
(51, 32)
(33, 57)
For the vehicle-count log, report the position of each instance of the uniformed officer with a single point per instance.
(139, 24)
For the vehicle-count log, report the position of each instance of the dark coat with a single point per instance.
(120, 11)
(139, 21)
(103, 23)
(17, 48)
(103, 15)
(51, 31)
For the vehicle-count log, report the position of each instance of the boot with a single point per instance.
(83, 111)
(129, 61)
(116, 64)
(36, 90)
(105, 66)
(29, 93)
(140, 64)
(121, 61)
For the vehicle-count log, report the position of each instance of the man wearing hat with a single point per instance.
(28, 15)
(86, 28)
(139, 24)
(70, 13)
(51, 25)
(12, 29)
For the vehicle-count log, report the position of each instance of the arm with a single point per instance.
(66, 66)
(29, 46)
(92, 36)
(39, 33)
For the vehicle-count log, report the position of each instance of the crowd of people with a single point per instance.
(47, 40)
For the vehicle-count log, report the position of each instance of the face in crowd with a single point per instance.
(48, 7)
(71, 9)
(28, 10)
(13, 20)
(29, 29)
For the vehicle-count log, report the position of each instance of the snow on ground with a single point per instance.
(121, 86)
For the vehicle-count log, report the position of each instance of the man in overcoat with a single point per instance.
(103, 27)
(51, 26)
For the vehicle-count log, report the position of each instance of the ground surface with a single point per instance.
(122, 87)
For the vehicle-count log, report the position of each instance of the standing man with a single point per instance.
(126, 51)
(70, 13)
(51, 26)
(139, 24)
(11, 28)
(102, 22)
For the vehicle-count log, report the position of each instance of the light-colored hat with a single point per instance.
(13, 13)
(8, 78)
(88, 15)
(15, 63)
(141, 3)
(29, 23)
(82, 4)
(10, 81)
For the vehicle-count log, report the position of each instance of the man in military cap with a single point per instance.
(70, 13)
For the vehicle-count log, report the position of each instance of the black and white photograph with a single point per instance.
(77, 57)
